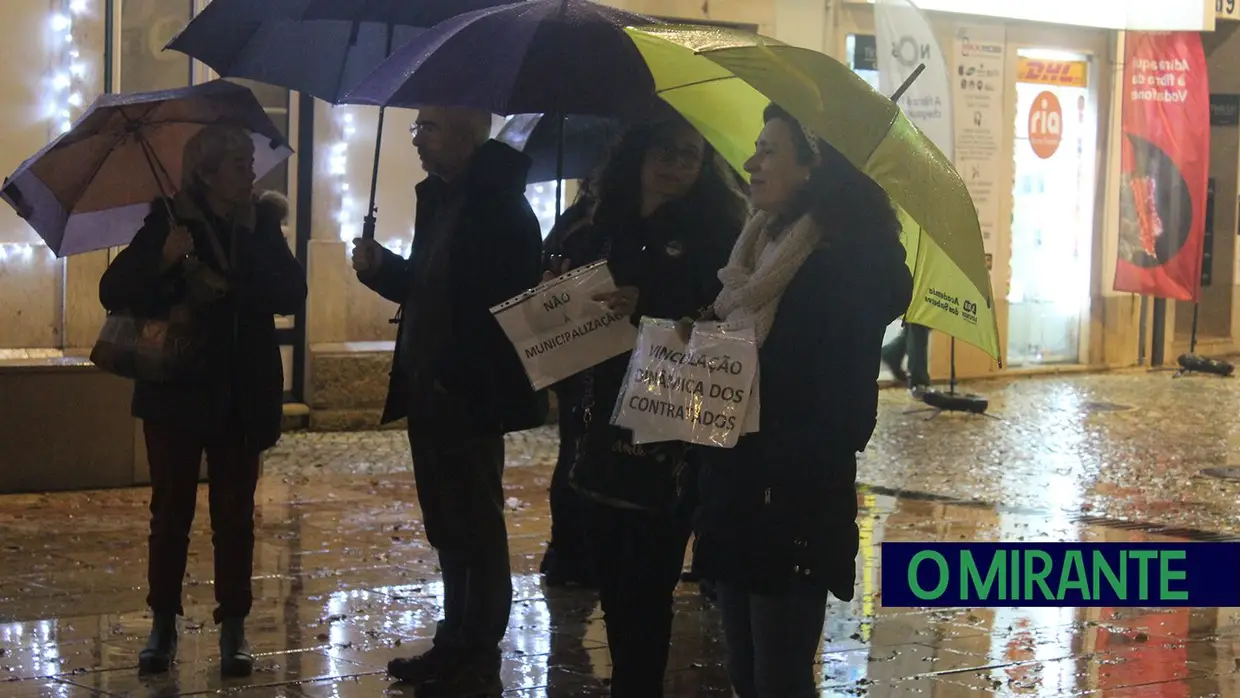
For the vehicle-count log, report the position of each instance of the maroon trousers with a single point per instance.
(232, 470)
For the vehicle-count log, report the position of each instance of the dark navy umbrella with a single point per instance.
(324, 58)
(413, 13)
(540, 56)
(587, 140)
(91, 188)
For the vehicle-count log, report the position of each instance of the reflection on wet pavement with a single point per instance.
(345, 581)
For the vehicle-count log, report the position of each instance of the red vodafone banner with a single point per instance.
(1166, 163)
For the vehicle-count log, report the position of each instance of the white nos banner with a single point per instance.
(559, 331)
(701, 393)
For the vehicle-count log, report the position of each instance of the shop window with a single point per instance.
(862, 52)
(146, 27)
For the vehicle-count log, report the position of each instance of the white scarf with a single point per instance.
(759, 270)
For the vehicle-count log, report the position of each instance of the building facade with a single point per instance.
(1052, 221)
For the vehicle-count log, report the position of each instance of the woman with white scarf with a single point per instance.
(819, 272)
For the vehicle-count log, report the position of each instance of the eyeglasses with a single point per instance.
(426, 127)
(686, 159)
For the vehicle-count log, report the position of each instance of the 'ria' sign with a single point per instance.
(1045, 125)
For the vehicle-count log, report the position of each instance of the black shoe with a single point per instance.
(897, 371)
(471, 677)
(161, 646)
(236, 660)
(422, 668)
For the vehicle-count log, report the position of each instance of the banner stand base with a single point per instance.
(952, 401)
(1195, 363)
(939, 402)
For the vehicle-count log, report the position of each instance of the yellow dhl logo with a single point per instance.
(1044, 72)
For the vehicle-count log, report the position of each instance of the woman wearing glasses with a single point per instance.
(664, 214)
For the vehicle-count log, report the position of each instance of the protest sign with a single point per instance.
(699, 392)
(559, 330)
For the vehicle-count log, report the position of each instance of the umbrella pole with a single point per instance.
(369, 221)
(951, 386)
(559, 168)
(559, 148)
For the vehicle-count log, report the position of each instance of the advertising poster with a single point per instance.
(1165, 164)
(978, 84)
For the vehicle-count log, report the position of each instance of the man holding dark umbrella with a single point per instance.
(458, 380)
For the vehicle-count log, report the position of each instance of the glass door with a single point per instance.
(1052, 207)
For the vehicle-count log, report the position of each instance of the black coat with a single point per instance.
(244, 385)
(779, 511)
(495, 255)
(673, 258)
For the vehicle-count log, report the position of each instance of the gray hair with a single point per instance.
(207, 150)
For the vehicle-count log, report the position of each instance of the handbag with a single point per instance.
(610, 468)
(165, 347)
(155, 349)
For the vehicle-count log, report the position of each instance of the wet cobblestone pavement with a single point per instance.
(345, 581)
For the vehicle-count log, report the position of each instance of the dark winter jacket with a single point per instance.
(779, 511)
(673, 258)
(495, 254)
(244, 382)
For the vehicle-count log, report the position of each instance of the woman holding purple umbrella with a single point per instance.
(219, 250)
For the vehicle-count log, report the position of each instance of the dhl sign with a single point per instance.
(1044, 72)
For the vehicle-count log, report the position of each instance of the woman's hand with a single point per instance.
(684, 329)
(623, 300)
(178, 245)
(559, 267)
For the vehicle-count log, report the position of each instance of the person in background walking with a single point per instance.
(225, 252)
(819, 273)
(664, 214)
(913, 342)
(459, 381)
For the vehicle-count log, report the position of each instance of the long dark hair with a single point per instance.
(847, 205)
(616, 187)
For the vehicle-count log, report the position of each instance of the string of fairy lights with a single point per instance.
(64, 94)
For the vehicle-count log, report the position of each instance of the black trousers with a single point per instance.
(175, 457)
(568, 548)
(459, 475)
(638, 557)
(913, 342)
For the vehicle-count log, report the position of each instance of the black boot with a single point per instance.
(161, 647)
(235, 658)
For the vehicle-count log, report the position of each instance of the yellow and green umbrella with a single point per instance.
(721, 81)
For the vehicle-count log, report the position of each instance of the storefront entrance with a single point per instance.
(1053, 198)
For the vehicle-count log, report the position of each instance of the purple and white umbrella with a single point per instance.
(91, 188)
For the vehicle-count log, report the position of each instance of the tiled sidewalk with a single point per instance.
(345, 580)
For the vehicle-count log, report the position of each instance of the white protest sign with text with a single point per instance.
(698, 393)
(559, 330)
